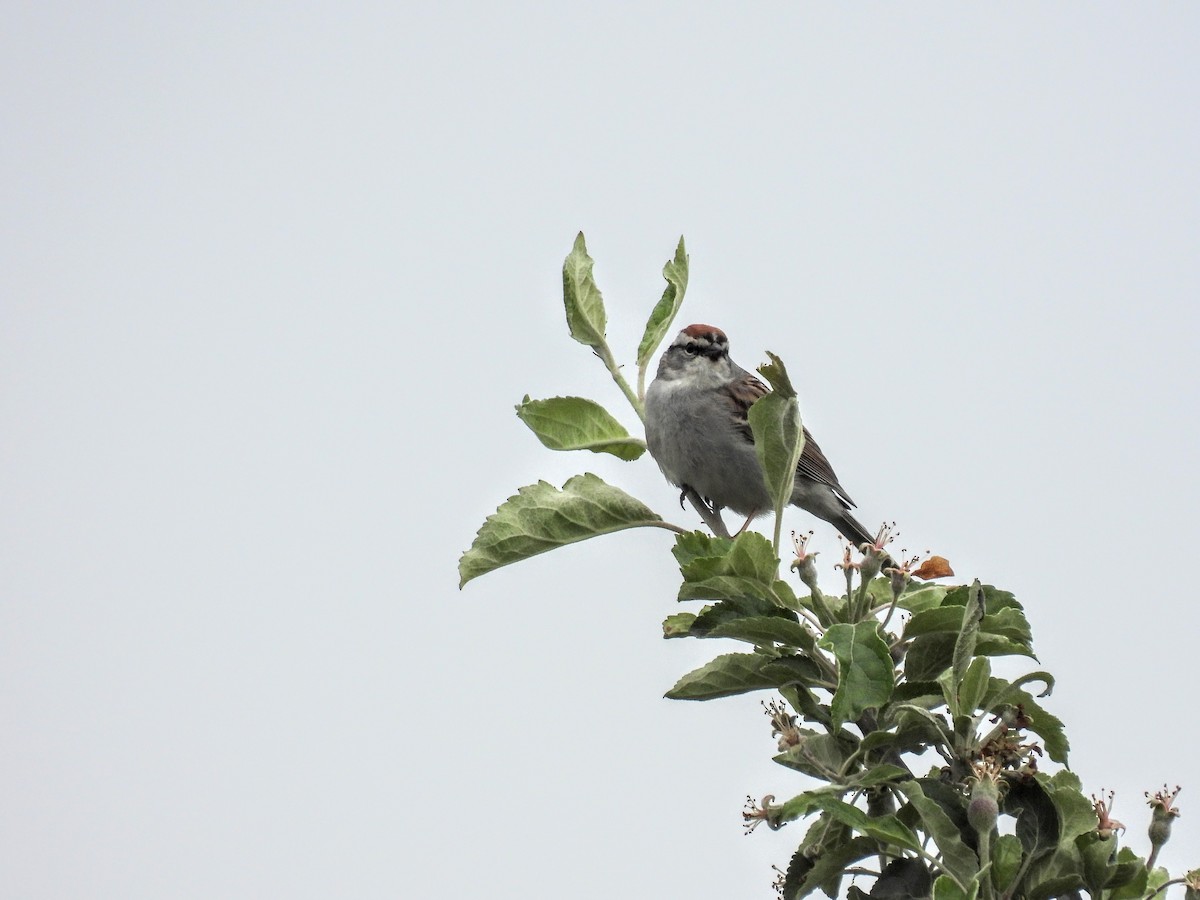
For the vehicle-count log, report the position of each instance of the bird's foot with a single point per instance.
(686, 489)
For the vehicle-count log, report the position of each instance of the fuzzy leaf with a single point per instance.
(778, 435)
(865, 675)
(586, 318)
(887, 829)
(1038, 822)
(1143, 882)
(729, 571)
(678, 625)
(540, 517)
(902, 879)
(945, 888)
(676, 273)
(1006, 860)
(919, 598)
(765, 630)
(824, 871)
(739, 673)
(576, 423)
(1054, 888)
(1075, 812)
(958, 859)
(974, 684)
(818, 755)
(964, 646)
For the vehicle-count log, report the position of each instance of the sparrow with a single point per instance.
(698, 432)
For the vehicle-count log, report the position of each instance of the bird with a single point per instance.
(698, 432)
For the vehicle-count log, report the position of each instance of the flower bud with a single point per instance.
(983, 809)
(1162, 813)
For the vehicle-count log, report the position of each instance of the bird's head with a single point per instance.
(698, 352)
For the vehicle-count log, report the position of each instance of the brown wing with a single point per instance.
(814, 465)
(741, 393)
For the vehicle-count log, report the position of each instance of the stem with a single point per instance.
(811, 619)
(861, 602)
(1167, 885)
(823, 611)
(891, 609)
(985, 857)
(849, 572)
(606, 357)
(669, 527)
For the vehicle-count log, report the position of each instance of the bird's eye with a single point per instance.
(690, 349)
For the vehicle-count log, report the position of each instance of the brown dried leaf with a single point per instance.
(934, 567)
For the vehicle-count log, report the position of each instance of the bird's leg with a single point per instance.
(711, 514)
(746, 524)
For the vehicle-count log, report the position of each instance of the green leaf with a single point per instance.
(818, 755)
(1009, 624)
(887, 829)
(575, 423)
(913, 738)
(676, 273)
(739, 673)
(824, 871)
(903, 879)
(928, 657)
(1095, 852)
(964, 646)
(586, 318)
(945, 888)
(958, 859)
(1143, 882)
(938, 620)
(1006, 861)
(865, 675)
(974, 685)
(734, 608)
(797, 871)
(931, 724)
(778, 436)
(745, 567)
(1038, 824)
(539, 517)
(994, 598)
(766, 630)
(1153, 881)
(881, 773)
(1061, 886)
(678, 625)
(1075, 812)
(913, 690)
(802, 699)
(699, 545)
(920, 597)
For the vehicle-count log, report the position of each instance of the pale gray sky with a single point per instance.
(272, 279)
